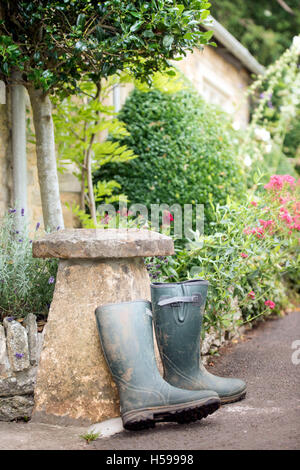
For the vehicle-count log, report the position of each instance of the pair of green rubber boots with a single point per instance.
(187, 392)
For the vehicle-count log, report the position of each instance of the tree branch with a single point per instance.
(285, 6)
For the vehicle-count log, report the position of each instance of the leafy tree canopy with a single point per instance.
(265, 27)
(54, 42)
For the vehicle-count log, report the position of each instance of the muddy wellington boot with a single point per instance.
(126, 336)
(177, 315)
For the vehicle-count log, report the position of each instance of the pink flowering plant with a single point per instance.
(252, 255)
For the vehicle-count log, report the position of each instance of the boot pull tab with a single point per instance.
(175, 302)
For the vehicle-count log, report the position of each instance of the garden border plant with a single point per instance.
(254, 247)
(26, 283)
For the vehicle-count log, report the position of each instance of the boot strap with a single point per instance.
(176, 301)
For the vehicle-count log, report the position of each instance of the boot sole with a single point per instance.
(182, 413)
(233, 398)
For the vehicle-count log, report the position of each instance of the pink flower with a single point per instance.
(266, 223)
(270, 304)
(258, 231)
(251, 294)
(277, 181)
(283, 200)
(253, 203)
(167, 217)
(286, 217)
(244, 255)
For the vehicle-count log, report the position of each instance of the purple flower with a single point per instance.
(11, 211)
(19, 355)
(158, 265)
(270, 104)
(51, 280)
(10, 318)
(20, 240)
(58, 228)
(30, 241)
(22, 212)
(17, 231)
(37, 226)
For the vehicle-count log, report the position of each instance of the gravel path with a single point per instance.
(269, 417)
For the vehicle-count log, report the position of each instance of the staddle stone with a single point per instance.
(74, 385)
(102, 243)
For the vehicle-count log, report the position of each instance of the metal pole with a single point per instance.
(116, 98)
(18, 109)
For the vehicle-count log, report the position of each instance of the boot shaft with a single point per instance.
(177, 314)
(126, 336)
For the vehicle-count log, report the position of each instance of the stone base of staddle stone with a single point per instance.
(74, 385)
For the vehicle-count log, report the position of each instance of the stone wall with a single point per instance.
(20, 348)
(220, 79)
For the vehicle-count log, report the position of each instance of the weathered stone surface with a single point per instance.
(19, 383)
(73, 381)
(32, 333)
(40, 342)
(207, 342)
(4, 363)
(15, 407)
(100, 243)
(17, 345)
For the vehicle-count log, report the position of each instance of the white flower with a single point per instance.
(247, 160)
(296, 44)
(262, 134)
(236, 126)
(268, 148)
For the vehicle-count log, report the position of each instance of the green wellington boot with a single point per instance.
(177, 315)
(126, 336)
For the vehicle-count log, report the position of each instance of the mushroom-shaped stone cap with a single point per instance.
(102, 243)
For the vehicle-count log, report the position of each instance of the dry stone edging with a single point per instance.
(214, 338)
(20, 348)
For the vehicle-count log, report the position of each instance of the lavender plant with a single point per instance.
(26, 283)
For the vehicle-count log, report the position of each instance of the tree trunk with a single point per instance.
(46, 159)
(82, 190)
(88, 164)
(92, 204)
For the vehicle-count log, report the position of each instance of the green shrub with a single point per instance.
(185, 151)
(26, 283)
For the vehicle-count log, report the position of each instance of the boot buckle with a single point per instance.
(196, 299)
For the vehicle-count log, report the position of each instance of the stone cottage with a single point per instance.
(220, 74)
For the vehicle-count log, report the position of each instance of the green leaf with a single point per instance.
(136, 26)
(80, 20)
(168, 41)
